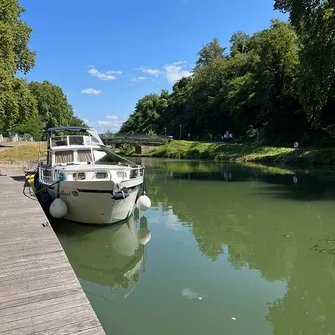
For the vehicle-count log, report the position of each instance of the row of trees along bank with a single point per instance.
(26, 107)
(274, 87)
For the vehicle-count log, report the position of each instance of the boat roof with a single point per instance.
(69, 128)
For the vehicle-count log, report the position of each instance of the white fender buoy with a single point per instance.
(144, 236)
(143, 203)
(58, 208)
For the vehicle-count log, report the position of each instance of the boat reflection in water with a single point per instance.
(111, 256)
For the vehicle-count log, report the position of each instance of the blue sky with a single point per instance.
(107, 54)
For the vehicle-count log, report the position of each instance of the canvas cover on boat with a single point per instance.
(113, 157)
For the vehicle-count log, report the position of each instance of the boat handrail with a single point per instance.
(52, 174)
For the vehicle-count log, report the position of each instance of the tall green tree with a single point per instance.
(314, 21)
(34, 126)
(52, 104)
(76, 121)
(275, 87)
(15, 102)
(146, 116)
(209, 52)
(276, 50)
(239, 43)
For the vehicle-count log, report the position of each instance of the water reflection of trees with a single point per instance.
(284, 240)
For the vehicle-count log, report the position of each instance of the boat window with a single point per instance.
(121, 174)
(76, 140)
(79, 176)
(84, 156)
(49, 158)
(58, 141)
(101, 175)
(64, 156)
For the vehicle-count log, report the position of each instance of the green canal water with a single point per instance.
(234, 250)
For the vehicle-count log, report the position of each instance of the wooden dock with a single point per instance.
(39, 291)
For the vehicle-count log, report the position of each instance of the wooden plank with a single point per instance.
(40, 295)
(70, 328)
(46, 321)
(41, 308)
(39, 292)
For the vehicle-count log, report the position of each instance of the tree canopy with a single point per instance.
(275, 86)
(25, 107)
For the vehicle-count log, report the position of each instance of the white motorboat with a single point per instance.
(84, 181)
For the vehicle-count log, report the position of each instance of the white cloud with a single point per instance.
(112, 122)
(140, 78)
(105, 123)
(176, 71)
(181, 62)
(152, 72)
(112, 117)
(113, 72)
(90, 91)
(100, 75)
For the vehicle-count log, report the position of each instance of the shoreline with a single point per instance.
(244, 153)
(25, 155)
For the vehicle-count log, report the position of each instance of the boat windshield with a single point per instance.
(111, 156)
(70, 137)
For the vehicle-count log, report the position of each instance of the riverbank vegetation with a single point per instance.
(26, 107)
(274, 87)
(22, 153)
(244, 153)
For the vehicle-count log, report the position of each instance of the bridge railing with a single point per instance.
(135, 135)
(136, 138)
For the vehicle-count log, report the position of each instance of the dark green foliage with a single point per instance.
(211, 51)
(146, 115)
(75, 121)
(51, 103)
(16, 104)
(34, 126)
(24, 107)
(314, 21)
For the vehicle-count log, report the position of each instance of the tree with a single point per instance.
(276, 50)
(146, 116)
(52, 104)
(276, 86)
(239, 43)
(75, 121)
(314, 22)
(34, 126)
(108, 133)
(15, 102)
(209, 52)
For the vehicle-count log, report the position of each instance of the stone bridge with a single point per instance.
(142, 142)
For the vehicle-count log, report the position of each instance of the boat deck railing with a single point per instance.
(50, 175)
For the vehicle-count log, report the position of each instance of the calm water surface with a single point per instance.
(233, 250)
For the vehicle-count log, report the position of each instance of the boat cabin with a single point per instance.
(64, 149)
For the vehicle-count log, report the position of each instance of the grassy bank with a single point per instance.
(244, 153)
(21, 154)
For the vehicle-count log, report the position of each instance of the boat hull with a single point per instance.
(90, 203)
